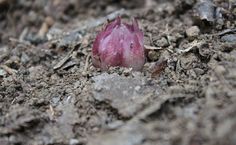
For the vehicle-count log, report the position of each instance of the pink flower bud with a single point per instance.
(119, 44)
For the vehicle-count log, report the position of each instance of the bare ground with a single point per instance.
(51, 94)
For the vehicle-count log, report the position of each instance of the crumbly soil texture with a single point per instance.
(51, 94)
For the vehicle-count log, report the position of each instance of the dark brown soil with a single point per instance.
(51, 94)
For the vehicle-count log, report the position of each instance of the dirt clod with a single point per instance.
(193, 31)
(127, 95)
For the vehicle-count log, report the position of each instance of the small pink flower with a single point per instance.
(119, 44)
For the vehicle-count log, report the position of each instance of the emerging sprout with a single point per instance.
(119, 44)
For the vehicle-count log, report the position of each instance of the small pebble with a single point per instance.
(153, 55)
(33, 17)
(193, 31)
(74, 141)
(220, 69)
(137, 88)
(199, 71)
(98, 88)
(2, 73)
(229, 38)
(162, 42)
(49, 21)
(115, 124)
(205, 10)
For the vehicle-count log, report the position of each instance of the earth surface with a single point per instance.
(50, 93)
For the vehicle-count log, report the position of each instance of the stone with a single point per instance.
(125, 94)
(193, 31)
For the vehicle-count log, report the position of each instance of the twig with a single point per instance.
(86, 64)
(192, 45)
(152, 47)
(9, 70)
(51, 110)
(65, 59)
(226, 32)
(13, 101)
(23, 34)
(171, 51)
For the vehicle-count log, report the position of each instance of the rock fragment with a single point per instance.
(193, 32)
(125, 94)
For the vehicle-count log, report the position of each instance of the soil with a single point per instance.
(50, 93)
